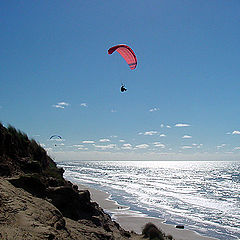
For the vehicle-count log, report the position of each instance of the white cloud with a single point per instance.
(150, 133)
(235, 132)
(162, 135)
(186, 147)
(104, 140)
(80, 146)
(58, 106)
(110, 146)
(182, 125)
(113, 110)
(221, 146)
(142, 146)
(186, 136)
(61, 105)
(88, 141)
(167, 126)
(48, 149)
(121, 140)
(154, 109)
(126, 146)
(83, 105)
(237, 148)
(158, 144)
(197, 145)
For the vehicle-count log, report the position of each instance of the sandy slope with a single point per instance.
(23, 216)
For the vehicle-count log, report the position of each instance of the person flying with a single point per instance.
(123, 88)
(129, 56)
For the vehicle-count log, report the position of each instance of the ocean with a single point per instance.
(203, 196)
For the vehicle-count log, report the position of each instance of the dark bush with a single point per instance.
(152, 232)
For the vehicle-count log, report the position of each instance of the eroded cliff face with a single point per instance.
(23, 216)
(36, 202)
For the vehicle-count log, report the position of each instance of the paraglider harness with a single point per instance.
(123, 88)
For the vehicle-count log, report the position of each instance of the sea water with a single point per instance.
(202, 196)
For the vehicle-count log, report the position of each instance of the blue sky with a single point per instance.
(183, 98)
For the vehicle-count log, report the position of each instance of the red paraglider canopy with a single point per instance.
(127, 53)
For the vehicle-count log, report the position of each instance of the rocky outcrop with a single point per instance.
(24, 216)
(73, 204)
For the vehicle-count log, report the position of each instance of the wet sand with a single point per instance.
(134, 221)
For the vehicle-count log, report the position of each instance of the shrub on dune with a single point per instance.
(152, 232)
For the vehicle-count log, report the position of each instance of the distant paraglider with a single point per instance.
(55, 137)
(128, 54)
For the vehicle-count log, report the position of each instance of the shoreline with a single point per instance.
(134, 221)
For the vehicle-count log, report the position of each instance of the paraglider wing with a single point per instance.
(127, 53)
(55, 136)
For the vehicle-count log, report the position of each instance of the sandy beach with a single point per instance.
(134, 221)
